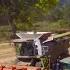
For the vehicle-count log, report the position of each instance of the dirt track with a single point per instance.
(7, 54)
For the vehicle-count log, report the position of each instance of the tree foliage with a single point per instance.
(45, 4)
(32, 11)
(25, 12)
(60, 16)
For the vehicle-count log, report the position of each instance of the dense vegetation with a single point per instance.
(33, 15)
(25, 12)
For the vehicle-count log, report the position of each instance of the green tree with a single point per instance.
(25, 12)
(32, 11)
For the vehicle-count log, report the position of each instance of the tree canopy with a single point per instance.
(25, 12)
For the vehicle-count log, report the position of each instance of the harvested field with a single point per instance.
(7, 54)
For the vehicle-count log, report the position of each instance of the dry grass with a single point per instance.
(7, 53)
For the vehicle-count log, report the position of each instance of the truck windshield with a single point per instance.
(27, 48)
